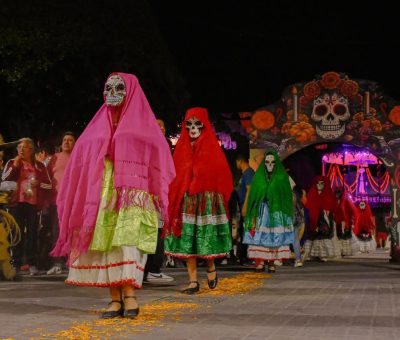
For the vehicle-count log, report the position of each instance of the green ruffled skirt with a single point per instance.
(205, 228)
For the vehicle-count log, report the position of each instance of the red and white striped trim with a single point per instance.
(189, 256)
(105, 285)
(98, 266)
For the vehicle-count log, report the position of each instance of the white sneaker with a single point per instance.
(278, 263)
(56, 270)
(298, 263)
(224, 262)
(155, 278)
(170, 262)
(33, 270)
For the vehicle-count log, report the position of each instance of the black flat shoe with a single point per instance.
(193, 290)
(260, 269)
(271, 269)
(113, 313)
(212, 283)
(131, 313)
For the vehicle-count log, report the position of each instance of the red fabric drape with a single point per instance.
(201, 167)
(365, 220)
(346, 211)
(317, 202)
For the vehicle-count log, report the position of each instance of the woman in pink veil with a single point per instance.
(113, 195)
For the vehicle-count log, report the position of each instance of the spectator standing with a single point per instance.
(152, 270)
(243, 187)
(31, 195)
(56, 168)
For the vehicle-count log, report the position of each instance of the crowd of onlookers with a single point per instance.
(33, 177)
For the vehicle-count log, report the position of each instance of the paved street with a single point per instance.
(351, 299)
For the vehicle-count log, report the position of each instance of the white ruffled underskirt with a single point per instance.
(319, 248)
(367, 246)
(269, 254)
(117, 267)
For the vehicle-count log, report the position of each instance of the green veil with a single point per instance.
(275, 190)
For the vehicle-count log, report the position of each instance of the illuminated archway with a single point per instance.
(334, 108)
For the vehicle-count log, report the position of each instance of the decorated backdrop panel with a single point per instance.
(334, 108)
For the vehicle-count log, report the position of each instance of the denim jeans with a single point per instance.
(296, 244)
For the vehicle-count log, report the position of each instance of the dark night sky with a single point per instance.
(228, 56)
(238, 56)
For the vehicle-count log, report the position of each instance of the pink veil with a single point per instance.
(142, 160)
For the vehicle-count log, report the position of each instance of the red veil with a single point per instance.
(201, 168)
(365, 219)
(346, 211)
(318, 202)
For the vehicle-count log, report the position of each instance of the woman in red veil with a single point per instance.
(345, 219)
(321, 206)
(198, 225)
(365, 228)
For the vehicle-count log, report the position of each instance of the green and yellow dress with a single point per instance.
(125, 232)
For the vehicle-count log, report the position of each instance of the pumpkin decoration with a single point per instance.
(286, 128)
(263, 120)
(302, 132)
(302, 117)
(376, 124)
(394, 115)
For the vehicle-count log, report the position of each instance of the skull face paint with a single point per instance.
(269, 163)
(194, 127)
(330, 113)
(362, 205)
(320, 185)
(115, 91)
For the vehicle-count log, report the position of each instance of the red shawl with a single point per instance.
(346, 211)
(201, 168)
(318, 202)
(365, 220)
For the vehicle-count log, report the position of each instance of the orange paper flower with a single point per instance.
(330, 80)
(311, 90)
(349, 88)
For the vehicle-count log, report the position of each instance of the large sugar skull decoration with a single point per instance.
(194, 127)
(269, 163)
(330, 113)
(114, 91)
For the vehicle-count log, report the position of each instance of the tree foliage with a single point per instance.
(55, 57)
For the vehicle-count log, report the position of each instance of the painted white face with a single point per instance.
(115, 91)
(194, 127)
(270, 163)
(320, 185)
(362, 205)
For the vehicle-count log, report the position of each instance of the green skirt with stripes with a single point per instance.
(205, 228)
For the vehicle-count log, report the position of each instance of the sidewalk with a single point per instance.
(350, 299)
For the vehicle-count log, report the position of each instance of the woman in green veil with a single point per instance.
(269, 211)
